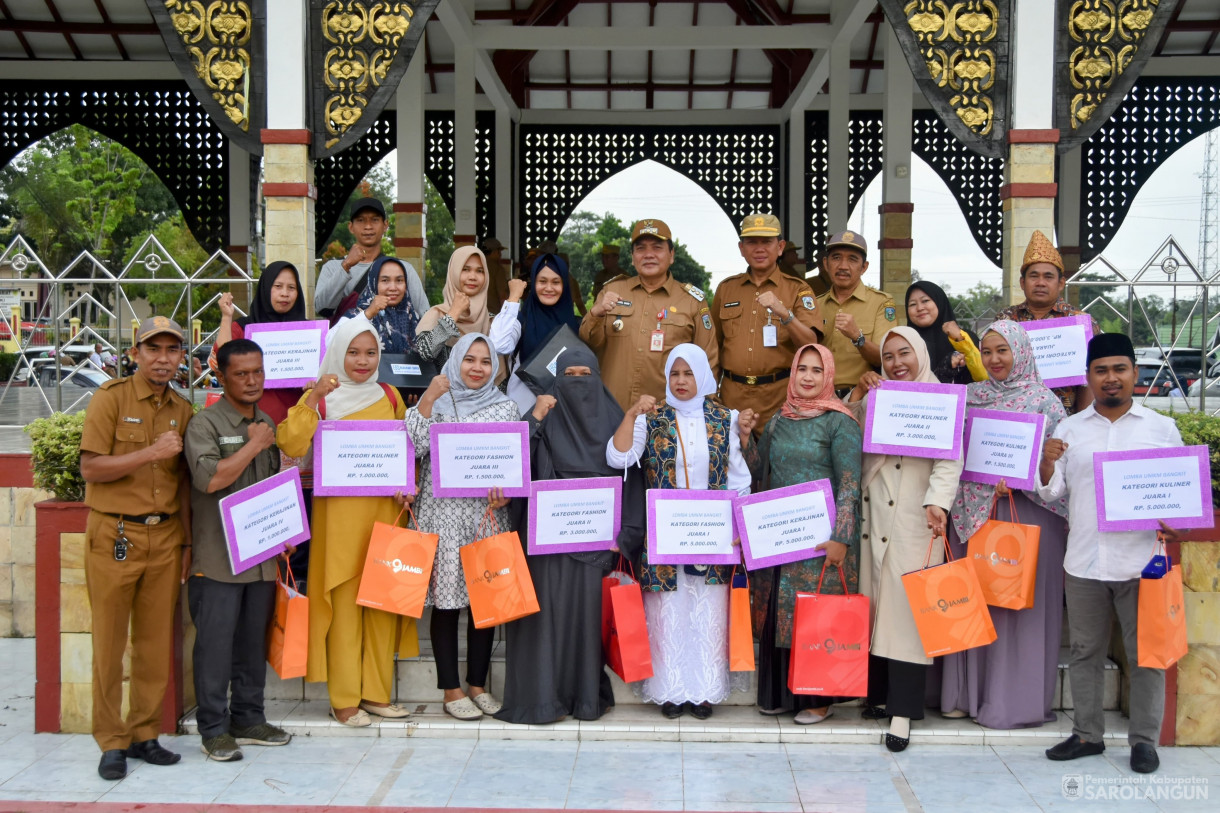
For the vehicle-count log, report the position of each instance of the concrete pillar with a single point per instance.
(288, 185)
(240, 222)
(410, 211)
(1029, 189)
(1068, 233)
(795, 218)
(464, 223)
(840, 112)
(506, 194)
(896, 208)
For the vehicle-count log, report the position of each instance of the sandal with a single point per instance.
(809, 717)
(358, 720)
(463, 709)
(486, 703)
(390, 710)
(896, 744)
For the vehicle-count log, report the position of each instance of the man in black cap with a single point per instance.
(340, 278)
(1104, 567)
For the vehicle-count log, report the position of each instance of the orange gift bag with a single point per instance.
(288, 638)
(1005, 558)
(1161, 619)
(830, 639)
(947, 602)
(741, 629)
(624, 629)
(397, 568)
(497, 577)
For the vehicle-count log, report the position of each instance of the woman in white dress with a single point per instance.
(686, 441)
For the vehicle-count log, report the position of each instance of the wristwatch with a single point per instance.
(859, 340)
(791, 316)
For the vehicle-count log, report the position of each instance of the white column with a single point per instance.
(797, 146)
(287, 45)
(840, 104)
(896, 144)
(463, 147)
(1070, 168)
(240, 222)
(505, 182)
(409, 118)
(1033, 69)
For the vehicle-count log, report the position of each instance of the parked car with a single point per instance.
(1154, 378)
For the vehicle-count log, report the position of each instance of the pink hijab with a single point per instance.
(797, 408)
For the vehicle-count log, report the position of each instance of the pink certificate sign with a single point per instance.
(261, 520)
(691, 527)
(915, 419)
(469, 459)
(575, 516)
(1137, 489)
(1002, 445)
(292, 351)
(363, 459)
(1060, 348)
(785, 524)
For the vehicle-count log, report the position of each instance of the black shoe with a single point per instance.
(896, 744)
(151, 752)
(875, 713)
(1074, 748)
(113, 765)
(1144, 758)
(700, 711)
(672, 711)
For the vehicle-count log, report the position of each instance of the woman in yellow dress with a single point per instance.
(351, 648)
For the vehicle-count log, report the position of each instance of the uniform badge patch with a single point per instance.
(807, 301)
(707, 322)
(695, 292)
(890, 314)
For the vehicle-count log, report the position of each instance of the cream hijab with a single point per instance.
(477, 319)
(350, 397)
(923, 375)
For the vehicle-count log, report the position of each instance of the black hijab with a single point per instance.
(261, 309)
(940, 351)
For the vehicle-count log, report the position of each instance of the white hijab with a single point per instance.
(350, 397)
(705, 382)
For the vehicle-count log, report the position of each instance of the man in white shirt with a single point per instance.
(1103, 568)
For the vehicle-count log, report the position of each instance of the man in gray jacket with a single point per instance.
(339, 278)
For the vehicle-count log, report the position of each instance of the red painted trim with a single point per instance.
(1069, 249)
(896, 208)
(464, 239)
(409, 208)
(895, 242)
(286, 136)
(290, 190)
(1033, 136)
(1203, 534)
(409, 242)
(15, 471)
(237, 250)
(53, 518)
(1028, 190)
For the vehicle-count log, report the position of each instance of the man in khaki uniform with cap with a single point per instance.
(857, 316)
(610, 269)
(637, 320)
(138, 541)
(762, 317)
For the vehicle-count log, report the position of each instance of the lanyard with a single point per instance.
(682, 448)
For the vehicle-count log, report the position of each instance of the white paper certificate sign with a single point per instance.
(574, 516)
(363, 458)
(1003, 445)
(1134, 489)
(1060, 348)
(292, 351)
(470, 458)
(691, 527)
(260, 520)
(917, 419)
(786, 524)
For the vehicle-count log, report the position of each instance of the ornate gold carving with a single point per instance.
(216, 37)
(954, 38)
(1109, 34)
(366, 37)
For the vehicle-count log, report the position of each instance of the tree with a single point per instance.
(380, 184)
(438, 229)
(976, 309)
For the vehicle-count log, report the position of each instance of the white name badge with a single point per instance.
(405, 369)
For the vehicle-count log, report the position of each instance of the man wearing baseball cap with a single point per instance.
(339, 279)
(138, 542)
(762, 317)
(637, 320)
(857, 316)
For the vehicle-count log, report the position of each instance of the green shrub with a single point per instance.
(8, 361)
(55, 454)
(1199, 429)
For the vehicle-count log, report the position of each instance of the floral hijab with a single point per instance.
(1022, 391)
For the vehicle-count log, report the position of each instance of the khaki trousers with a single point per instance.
(139, 593)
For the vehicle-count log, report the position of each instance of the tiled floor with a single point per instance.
(657, 771)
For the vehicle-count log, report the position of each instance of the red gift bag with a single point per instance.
(830, 639)
(1005, 558)
(288, 638)
(397, 568)
(497, 577)
(948, 606)
(624, 630)
(1161, 620)
(741, 630)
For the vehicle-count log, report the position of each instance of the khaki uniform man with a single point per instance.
(857, 316)
(762, 317)
(138, 543)
(610, 269)
(637, 320)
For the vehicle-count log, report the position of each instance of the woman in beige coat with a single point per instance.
(906, 500)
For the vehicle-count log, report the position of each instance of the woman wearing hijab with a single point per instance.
(955, 359)
(464, 392)
(351, 648)
(533, 311)
(386, 305)
(555, 664)
(812, 437)
(686, 441)
(905, 505)
(1011, 683)
(277, 298)
(464, 309)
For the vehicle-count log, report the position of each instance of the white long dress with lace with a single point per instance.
(688, 629)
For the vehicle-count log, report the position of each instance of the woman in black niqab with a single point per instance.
(555, 666)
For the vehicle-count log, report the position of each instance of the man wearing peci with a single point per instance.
(138, 543)
(230, 446)
(857, 316)
(762, 316)
(637, 320)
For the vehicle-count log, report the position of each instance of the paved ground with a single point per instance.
(43, 772)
